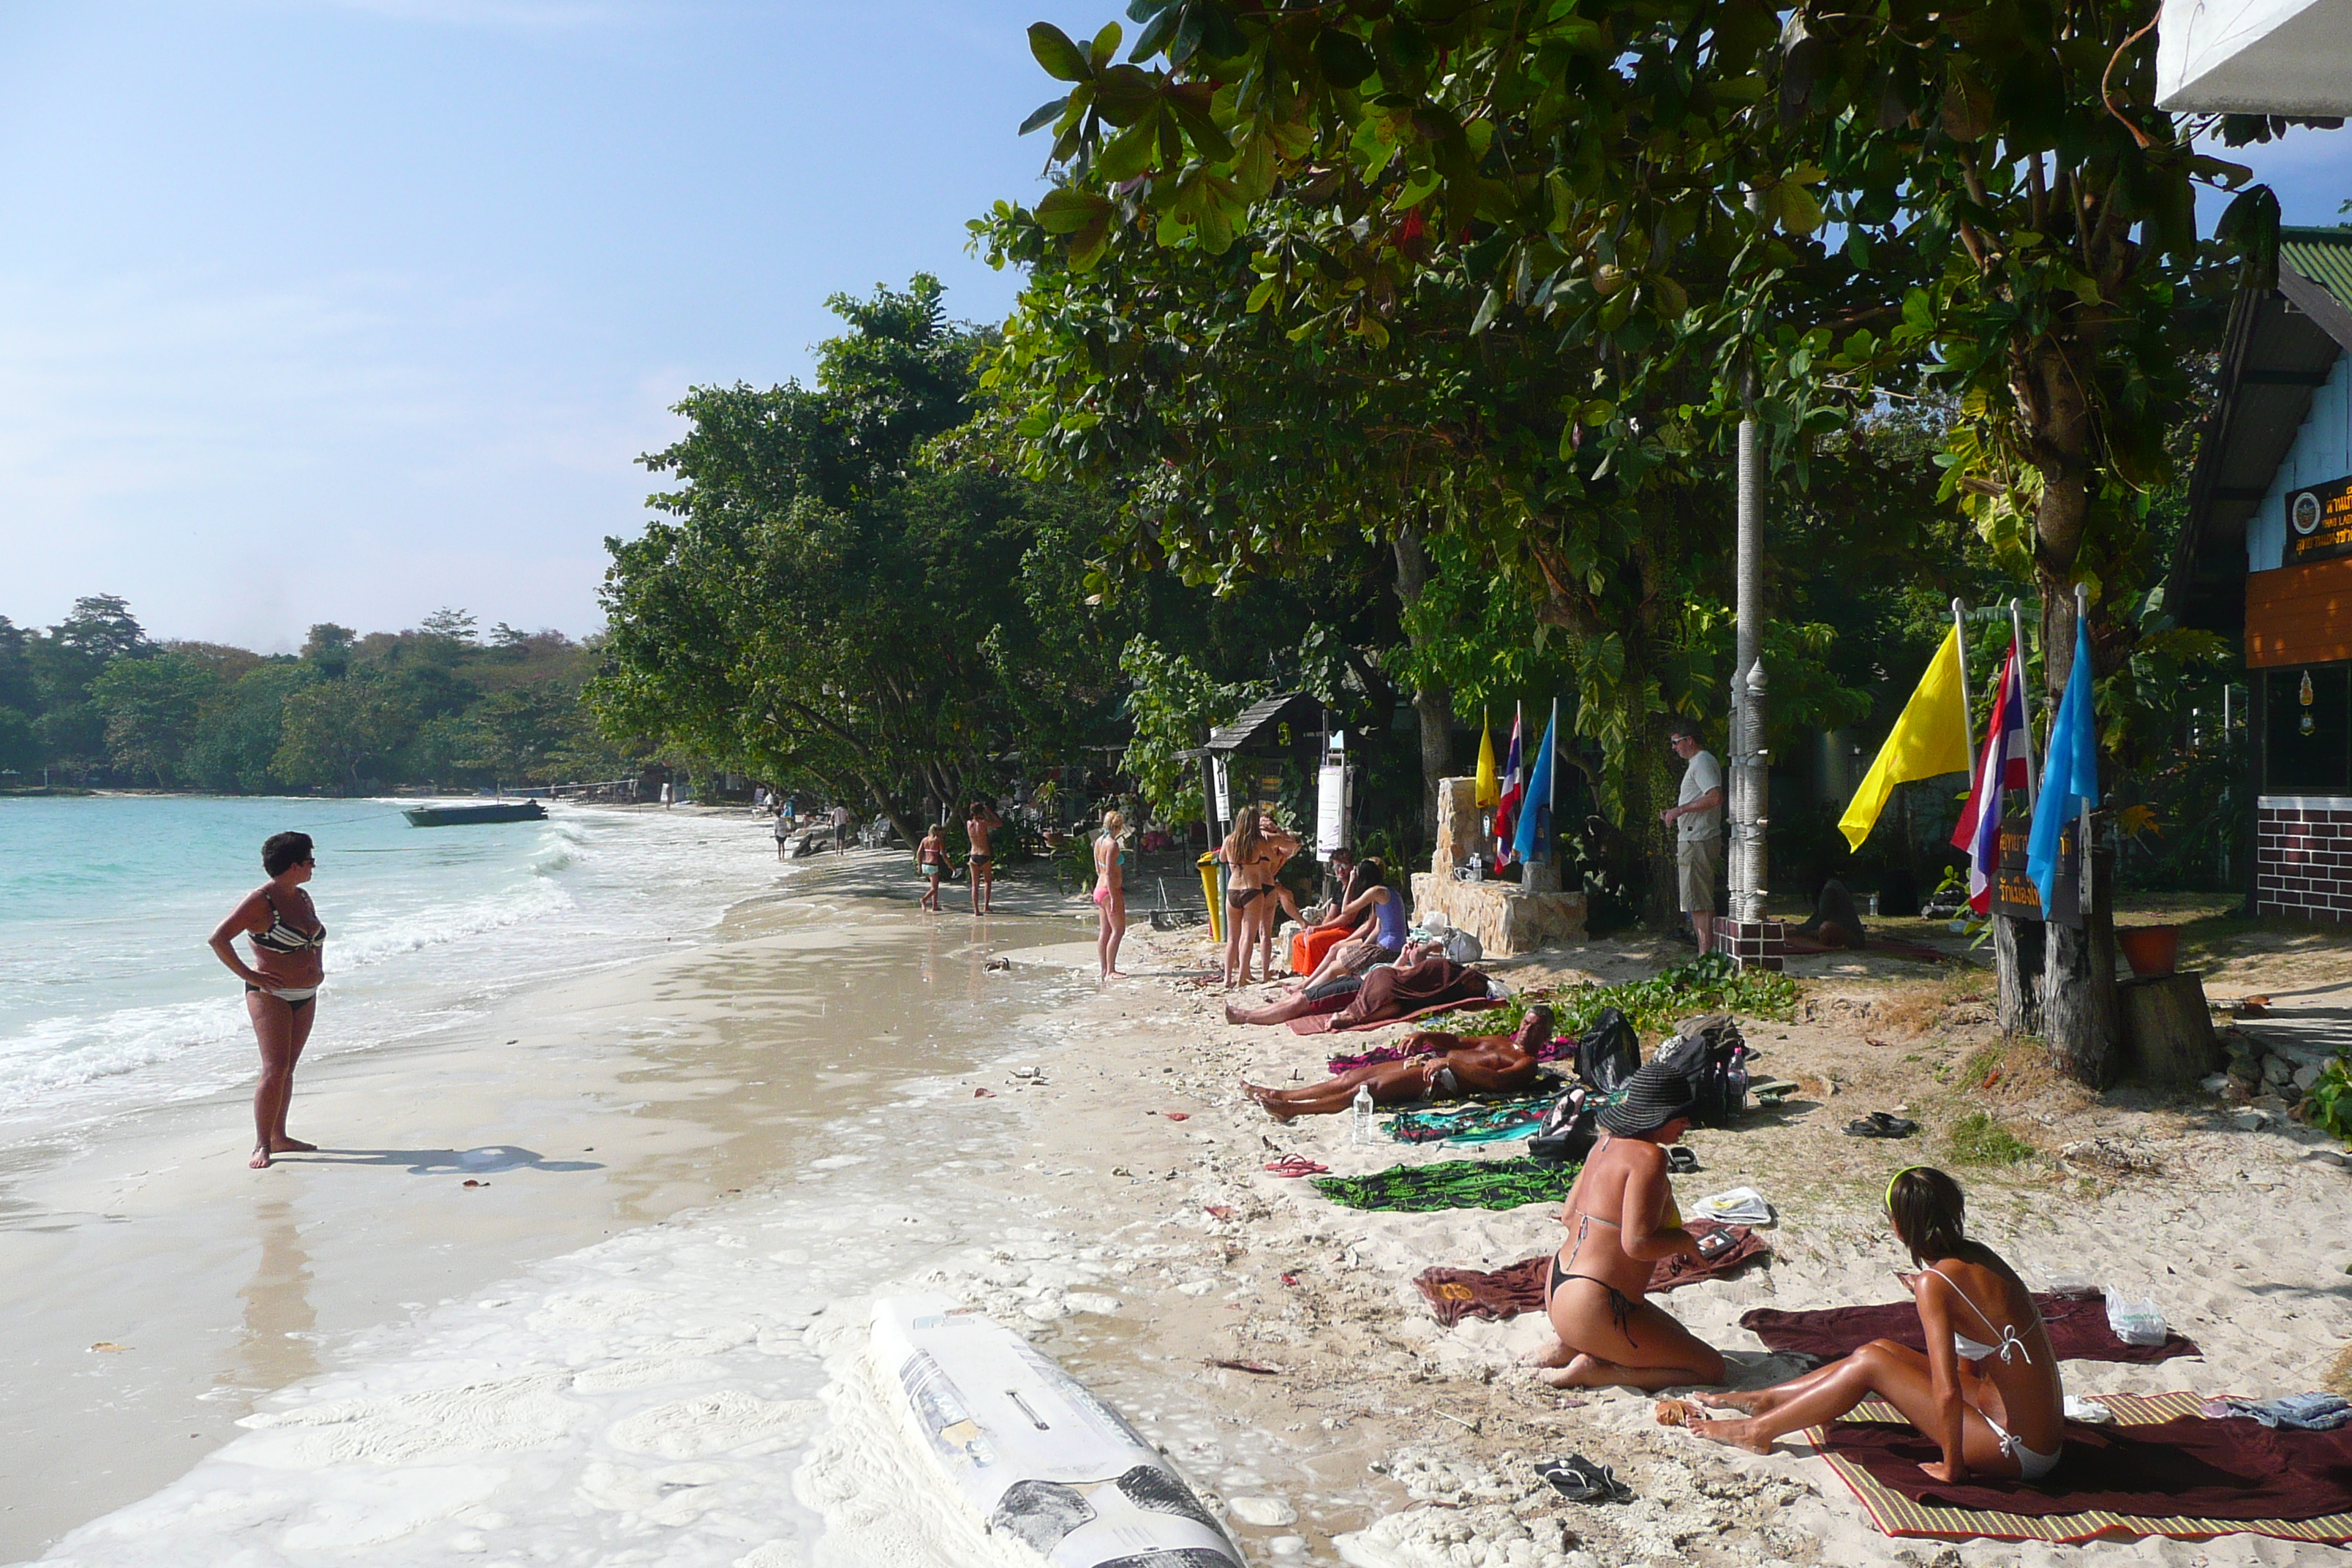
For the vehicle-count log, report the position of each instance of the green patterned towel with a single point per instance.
(1489, 1119)
(1452, 1185)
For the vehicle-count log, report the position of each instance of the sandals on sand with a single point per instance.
(1681, 1161)
(1881, 1124)
(1580, 1479)
(1296, 1166)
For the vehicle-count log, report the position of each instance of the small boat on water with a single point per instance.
(464, 816)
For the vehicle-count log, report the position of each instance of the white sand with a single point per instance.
(695, 1392)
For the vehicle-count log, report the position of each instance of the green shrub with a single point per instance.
(2330, 1101)
(1708, 983)
(1978, 1139)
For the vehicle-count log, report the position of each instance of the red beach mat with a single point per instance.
(1322, 1024)
(2161, 1469)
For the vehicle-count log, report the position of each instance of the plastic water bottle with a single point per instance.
(1360, 1132)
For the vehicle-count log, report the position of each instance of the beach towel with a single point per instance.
(1490, 1121)
(1452, 1185)
(2161, 1469)
(1558, 1047)
(1328, 1021)
(1454, 1294)
(2077, 1324)
(1410, 988)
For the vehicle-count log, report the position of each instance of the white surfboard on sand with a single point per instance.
(1037, 1456)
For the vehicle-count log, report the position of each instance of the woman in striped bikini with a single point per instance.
(282, 984)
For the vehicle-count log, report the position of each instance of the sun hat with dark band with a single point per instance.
(1654, 1096)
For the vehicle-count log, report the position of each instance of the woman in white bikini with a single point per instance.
(1110, 893)
(1993, 1403)
(282, 984)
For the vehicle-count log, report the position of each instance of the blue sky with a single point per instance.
(318, 311)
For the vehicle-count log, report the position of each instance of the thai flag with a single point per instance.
(1515, 786)
(2002, 767)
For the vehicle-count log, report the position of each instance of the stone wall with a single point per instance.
(1508, 920)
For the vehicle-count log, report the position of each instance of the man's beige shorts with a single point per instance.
(1696, 861)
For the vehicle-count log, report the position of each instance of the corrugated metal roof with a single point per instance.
(2322, 255)
(1257, 727)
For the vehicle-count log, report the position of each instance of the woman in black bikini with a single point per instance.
(1254, 862)
(282, 984)
(1622, 1221)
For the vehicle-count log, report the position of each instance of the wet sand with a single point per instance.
(583, 1113)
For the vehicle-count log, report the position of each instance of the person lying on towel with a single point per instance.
(1622, 1222)
(1459, 1065)
(1422, 978)
(1987, 1388)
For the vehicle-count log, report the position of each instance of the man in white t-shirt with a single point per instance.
(1698, 818)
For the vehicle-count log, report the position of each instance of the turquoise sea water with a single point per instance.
(109, 999)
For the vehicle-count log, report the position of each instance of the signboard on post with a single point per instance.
(1330, 807)
(1225, 790)
(2013, 892)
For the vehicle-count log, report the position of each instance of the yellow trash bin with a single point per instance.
(1208, 890)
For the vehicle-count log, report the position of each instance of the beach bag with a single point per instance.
(1569, 1132)
(1608, 1051)
(1709, 1051)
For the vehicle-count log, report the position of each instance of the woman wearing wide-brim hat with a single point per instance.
(1622, 1220)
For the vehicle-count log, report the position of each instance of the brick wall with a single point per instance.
(2303, 858)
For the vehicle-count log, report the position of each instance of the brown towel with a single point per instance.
(1454, 1294)
(2190, 1468)
(2077, 1325)
(1324, 1025)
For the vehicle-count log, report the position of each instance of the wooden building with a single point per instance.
(2267, 556)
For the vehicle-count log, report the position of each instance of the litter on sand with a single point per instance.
(1740, 1205)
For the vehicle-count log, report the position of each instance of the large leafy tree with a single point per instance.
(2018, 221)
(817, 600)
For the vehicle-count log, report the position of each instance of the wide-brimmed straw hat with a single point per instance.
(1655, 1095)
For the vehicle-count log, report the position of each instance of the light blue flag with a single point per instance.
(2071, 775)
(1533, 841)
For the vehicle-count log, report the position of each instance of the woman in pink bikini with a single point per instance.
(1987, 1391)
(281, 983)
(1110, 893)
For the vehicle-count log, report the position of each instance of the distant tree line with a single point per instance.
(93, 700)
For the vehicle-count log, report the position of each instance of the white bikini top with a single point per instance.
(1972, 1350)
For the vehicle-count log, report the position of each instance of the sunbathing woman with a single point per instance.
(1378, 916)
(1472, 1063)
(1622, 1221)
(1993, 1403)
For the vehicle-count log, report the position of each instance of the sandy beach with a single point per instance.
(610, 1355)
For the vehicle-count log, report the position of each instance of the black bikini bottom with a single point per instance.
(1620, 1305)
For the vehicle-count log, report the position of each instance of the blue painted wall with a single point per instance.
(2322, 450)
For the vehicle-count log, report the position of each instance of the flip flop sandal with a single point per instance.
(1892, 1126)
(1296, 1166)
(1580, 1479)
(1681, 1161)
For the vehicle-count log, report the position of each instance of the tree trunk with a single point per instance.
(2079, 1010)
(1433, 701)
(2017, 947)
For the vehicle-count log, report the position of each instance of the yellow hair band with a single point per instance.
(1894, 1178)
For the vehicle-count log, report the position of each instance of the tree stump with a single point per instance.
(2168, 1031)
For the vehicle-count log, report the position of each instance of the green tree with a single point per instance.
(150, 707)
(239, 731)
(339, 734)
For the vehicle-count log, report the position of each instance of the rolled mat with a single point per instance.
(1454, 1294)
(1322, 1024)
(2161, 1469)
(2077, 1325)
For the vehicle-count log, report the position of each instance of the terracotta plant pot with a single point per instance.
(2151, 951)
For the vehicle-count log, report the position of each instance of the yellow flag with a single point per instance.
(1490, 787)
(1931, 738)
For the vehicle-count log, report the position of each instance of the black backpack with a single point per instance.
(1711, 1053)
(1608, 1051)
(1568, 1130)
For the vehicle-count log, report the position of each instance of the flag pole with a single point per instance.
(1968, 717)
(2025, 695)
(1551, 782)
(2082, 618)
